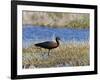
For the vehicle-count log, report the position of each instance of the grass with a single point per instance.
(70, 54)
(56, 19)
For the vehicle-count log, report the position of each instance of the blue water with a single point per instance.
(34, 34)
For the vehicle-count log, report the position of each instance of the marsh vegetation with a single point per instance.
(56, 19)
(70, 54)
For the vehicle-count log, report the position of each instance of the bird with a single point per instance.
(49, 44)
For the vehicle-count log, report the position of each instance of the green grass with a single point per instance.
(71, 54)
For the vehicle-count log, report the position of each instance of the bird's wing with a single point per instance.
(46, 44)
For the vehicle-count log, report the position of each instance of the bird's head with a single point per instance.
(57, 38)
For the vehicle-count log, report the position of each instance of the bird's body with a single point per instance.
(49, 44)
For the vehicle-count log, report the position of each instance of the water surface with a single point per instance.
(34, 34)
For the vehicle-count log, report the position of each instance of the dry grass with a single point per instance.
(71, 54)
(56, 19)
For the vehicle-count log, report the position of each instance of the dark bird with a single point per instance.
(49, 44)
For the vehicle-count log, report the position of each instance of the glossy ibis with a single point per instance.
(49, 44)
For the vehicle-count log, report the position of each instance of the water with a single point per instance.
(34, 34)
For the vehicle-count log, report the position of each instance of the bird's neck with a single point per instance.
(57, 42)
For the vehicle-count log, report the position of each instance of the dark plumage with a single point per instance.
(49, 44)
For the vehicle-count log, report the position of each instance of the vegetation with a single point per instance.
(70, 54)
(56, 19)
